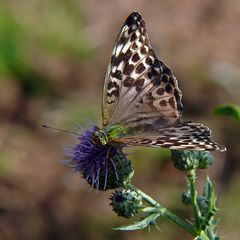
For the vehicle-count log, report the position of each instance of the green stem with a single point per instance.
(164, 212)
(144, 196)
(191, 176)
(180, 222)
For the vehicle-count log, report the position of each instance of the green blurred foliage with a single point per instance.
(228, 110)
(13, 57)
(53, 30)
(3, 164)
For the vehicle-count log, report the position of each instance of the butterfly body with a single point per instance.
(142, 102)
(108, 133)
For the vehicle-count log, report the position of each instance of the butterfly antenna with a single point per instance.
(58, 129)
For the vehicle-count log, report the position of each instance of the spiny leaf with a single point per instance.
(209, 193)
(146, 222)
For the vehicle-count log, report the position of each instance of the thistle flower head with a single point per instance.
(104, 167)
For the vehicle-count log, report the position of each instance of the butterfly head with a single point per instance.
(100, 137)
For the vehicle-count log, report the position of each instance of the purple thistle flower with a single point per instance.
(101, 166)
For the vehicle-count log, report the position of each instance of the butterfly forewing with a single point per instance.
(138, 86)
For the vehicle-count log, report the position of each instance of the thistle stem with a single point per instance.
(164, 212)
(191, 177)
(147, 198)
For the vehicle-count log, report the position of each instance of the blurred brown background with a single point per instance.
(53, 58)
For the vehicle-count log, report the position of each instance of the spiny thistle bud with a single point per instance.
(186, 198)
(126, 203)
(103, 166)
(186, 160)
(205, 159)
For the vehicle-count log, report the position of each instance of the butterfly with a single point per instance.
(142, 102)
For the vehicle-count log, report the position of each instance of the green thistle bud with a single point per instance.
(205, 159)
(185, 160)
(126, 203)
(186, 198)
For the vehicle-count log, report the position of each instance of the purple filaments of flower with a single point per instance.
(91, 159)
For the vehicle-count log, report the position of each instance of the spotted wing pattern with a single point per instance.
(139, 88)
(142, 95)
(186, 135)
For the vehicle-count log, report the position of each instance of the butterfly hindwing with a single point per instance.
(186, 135)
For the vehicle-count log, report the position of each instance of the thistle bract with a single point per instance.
(104, 167)
(126, 203)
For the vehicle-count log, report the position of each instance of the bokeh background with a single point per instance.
(53, 58)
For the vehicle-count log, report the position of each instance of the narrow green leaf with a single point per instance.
(208, 188)
(209, 192)
(146, 222)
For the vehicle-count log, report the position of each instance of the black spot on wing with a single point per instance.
(163, 103)
(140, 68)
(133, 37)
(135, 57)
(164, 78)
(114, 61)
(117, 74)
(134, 46)
(160, 91)
(149, 61)
(113, 89)
(169, 89)
(128, 82)
(128, 68)
(133, 18)
(139, 84)
(143, 50)
(126, 57)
